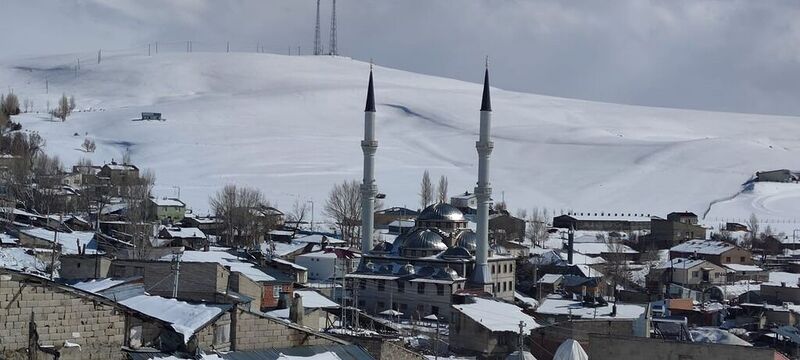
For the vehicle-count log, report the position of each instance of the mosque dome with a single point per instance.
(446, 273)
(441, 212)
(383, 246)
(457, 252)
(424, 239)
(467, 239)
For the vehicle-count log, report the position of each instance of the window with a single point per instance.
(401, 286)
(695, 274)
(381, 285)
(741, 259)
(439, 289)
(511, 267)
(78, 265)
(222, 334)
(362, 284)
(504, 286)
(492, 268)
(505, 268)
(421, 288)
(276, 291)
(728, 259)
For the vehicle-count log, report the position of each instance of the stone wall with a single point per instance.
(255, 332)
(545, 340)
(243, 285)
(382, 348)
(609, 347)
(84, 266)
(60, 315)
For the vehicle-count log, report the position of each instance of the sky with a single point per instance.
(736, 55)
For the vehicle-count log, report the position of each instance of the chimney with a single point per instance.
(296, 311)
(284, 300)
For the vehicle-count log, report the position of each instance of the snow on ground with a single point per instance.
(775, 205)
(17, 258)
(292, 126)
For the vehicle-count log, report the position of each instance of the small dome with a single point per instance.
(370, 266)
(457, 252)
(425, 239)
(445, 273)
(407, 269)
(467, 239)
(383, 246)
(386, 269)
(441, 212)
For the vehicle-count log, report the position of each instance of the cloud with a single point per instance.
(734, 55)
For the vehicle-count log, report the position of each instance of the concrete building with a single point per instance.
(690, 273)
(84, 266)
(506, 227)
(384, 217)
(717, 252)
(168, 210)
(781, 175)
(677, 228)
(611, 347)
(487, 328)
(603, 221)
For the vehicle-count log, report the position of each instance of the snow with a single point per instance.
(595, 249)
(97, 285)
(317, 239)
(6, 239)
(778, 277)
(707, 247)
(168, 202)
(16, 258)
(184, 232)
(184, 317)
(69, 241)
(775, 205)
(681, 263)
(289, 263)
(550, 278)
(329, 355)
(555, 305)
(525, 299)
(315, 300)
(743, 268)
(225, 259)
(496, 315)
(226, 111)
(716, 336)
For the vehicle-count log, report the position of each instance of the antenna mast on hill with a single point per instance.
(317, 39)
(333, 50)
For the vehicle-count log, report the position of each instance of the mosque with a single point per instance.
(418, 274)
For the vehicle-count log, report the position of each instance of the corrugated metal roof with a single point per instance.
(344, 352)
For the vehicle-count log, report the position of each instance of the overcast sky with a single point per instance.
(741, 56)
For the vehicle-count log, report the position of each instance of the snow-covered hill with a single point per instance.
(292, 125)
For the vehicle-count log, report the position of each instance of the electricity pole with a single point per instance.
(333, 48)
(177, 275)
(317, 40)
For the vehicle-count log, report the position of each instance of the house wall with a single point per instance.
(197, 281)
(408, 301)
(207, 339)
(255, 332)
(469, 337)
(243, 285)
(503, 276)
(547, 339)
(60, 316)
(514, 227)
(269, 300)
(694, 275)
(84, 267)
(175, 213)
(383, 348)
(779, 294)
(606, 347)
(667, 233)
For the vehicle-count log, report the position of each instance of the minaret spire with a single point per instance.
(368, 188)
(481, 277)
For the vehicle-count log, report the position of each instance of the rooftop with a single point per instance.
(497, 315)
(556, 305)
(706, 247)
(225, 259)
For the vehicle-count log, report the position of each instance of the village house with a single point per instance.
(384, 217)
(603, 221)
(690, 273)
(487, 328)
(740, 272)
(506, 227)
(167, 210)
(717, 252)
(778, 245)
(209, 225)
(678, 227)
(191, 238)
(781, 175)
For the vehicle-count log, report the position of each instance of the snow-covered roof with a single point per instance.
(402, 223)
(713, 335)
(184, 232)
(315, 300)
(184, 317)
(706, 247)
(16, 258)
(115, 166)
(283, 249)
(69, 241)
(525, 299)
(317, 239)
(289, 263)
(496, 315)
(8, 239)
(168, 202)
(550, 278)
(556, 305)
(588, 271)
(97, 285)
(743, 268)
(731, 291)
(596, 249)
(225, 259)
(680, 263)
(777, 278)
(610, 217)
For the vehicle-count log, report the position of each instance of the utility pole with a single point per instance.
(298, 50)
(312, 214)
(333, 48)
(46, 85)
(317, 40)
(177, 275)
(148, 49)
(99, 55)
(156, 47)
(228, 47)
(55, 241)
(521, 345)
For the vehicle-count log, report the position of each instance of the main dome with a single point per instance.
(441, 212)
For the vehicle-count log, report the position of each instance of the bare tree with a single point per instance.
(299, 212)
(753, 226)
(26, 104)
(137, 194)
(72, 104)
(88, 145)
(442, 189)
(10, 104)
(426, 190)
(536, 232)
(344, 207)
(242, 210)
(63, 109)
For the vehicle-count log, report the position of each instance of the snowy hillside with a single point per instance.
(292, 125)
